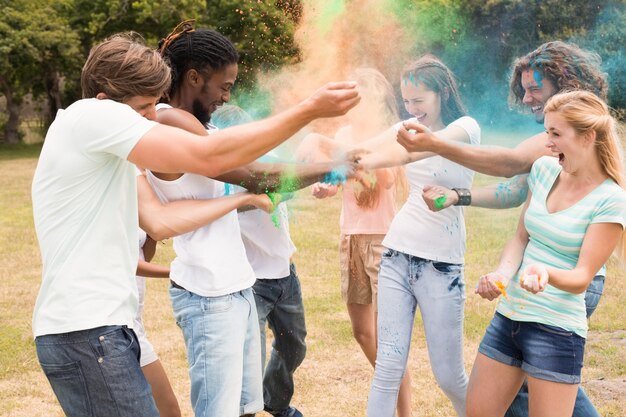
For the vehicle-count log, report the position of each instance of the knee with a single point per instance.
(364, 337)
(452, 385)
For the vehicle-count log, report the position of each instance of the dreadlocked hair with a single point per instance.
(187, 48)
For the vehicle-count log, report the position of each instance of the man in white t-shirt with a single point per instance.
(211, 267)
(85, 210)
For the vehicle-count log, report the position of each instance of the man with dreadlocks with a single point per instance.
(552, 68)
(212, 279)
(85, 211)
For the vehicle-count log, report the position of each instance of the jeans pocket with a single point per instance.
(116, 343)
(446, 268)
(68, 383)
(212, 305)
(389, 253)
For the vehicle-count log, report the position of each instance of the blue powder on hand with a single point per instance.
(336, 176)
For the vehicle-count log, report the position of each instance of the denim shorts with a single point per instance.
(542, 351)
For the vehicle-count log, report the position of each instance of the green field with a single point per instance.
(334, 379)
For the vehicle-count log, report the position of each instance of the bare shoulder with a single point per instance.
(181, 119)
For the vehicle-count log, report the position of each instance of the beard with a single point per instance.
(201, 113)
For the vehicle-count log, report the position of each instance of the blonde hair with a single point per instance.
(123, 67)
(375, 87)
(586, 112)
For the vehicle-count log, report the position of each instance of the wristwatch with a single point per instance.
(465, 196)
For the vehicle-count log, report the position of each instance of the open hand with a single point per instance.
(438, 197)
(322, 190)
(333, 99)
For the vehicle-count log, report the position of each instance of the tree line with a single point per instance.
(43, 43)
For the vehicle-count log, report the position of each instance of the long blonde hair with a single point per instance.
(586, 112)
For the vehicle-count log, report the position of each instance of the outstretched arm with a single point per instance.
(261, 177)
(383, 150)
(162, 221)
(506, 194)
(491, 160)
(171, 150)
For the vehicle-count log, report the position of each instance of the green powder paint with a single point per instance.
(329, 12)
(440, 201)
(274, 197)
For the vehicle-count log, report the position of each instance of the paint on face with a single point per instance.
(423, 104)
(537, 76)
(537, 91)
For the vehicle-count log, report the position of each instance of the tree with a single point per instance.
(35, 50)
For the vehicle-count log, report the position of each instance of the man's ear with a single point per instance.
(193, 77)
(101, 96)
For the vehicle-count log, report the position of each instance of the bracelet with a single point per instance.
(465, 196)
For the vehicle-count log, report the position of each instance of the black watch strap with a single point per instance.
(465, 196)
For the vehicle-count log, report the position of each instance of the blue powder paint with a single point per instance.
(537, 76)
(336, 176)
(228, 189)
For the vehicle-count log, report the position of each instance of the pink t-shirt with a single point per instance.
(375, 220)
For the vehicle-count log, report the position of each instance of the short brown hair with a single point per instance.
(123, 67)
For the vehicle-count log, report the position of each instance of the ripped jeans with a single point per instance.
(406, 282)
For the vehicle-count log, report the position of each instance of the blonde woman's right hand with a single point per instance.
(488, 288)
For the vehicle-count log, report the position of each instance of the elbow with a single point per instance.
(155, 229)
(514, 168)
(157, 233)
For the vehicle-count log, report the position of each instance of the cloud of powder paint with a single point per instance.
(335, 37)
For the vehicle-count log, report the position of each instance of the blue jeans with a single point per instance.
(583, 406)
(222, 339)
(406, 282)
(279, 304)
(96, 372)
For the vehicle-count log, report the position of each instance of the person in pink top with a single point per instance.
(368, 207)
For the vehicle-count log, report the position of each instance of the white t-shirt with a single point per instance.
(420, 232)
(210, 261)
(85, 210)
(269, 248)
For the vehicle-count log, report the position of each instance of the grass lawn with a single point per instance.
(335, 377)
